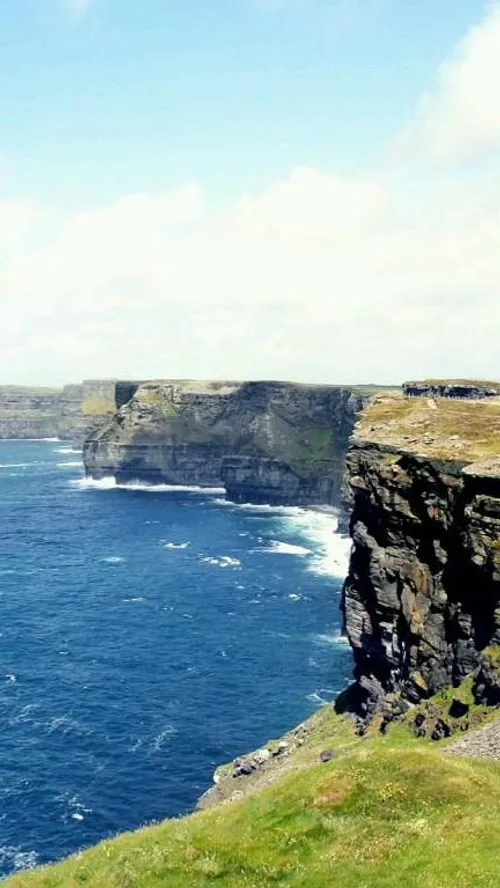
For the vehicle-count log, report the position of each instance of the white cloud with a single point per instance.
(459, 119)
(318, 277)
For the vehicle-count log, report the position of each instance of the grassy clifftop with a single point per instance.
(443, 428)
(386, 811)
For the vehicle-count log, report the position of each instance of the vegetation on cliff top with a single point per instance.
(385, 811)
(443, 428)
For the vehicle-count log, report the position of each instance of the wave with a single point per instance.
(94, 484)
(113, 559)
(279, 547)
(331, 639)
(177, 545)
(330, 550)
(111, 483)
(74, 464)
(222, 561)
(67, 450)
(316, 526)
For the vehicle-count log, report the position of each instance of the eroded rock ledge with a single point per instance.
(422, 598)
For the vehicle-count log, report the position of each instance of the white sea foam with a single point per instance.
(222, 561)
(330, 639)
(67, 450)
(10, 678)
(113, 559)
(93, 484)
(13, 858)
(111, 483)
(73, 464)
(163, 737)
(16, 465)
(315, 526)
(330, 550)
(279, 547)
(177, 545)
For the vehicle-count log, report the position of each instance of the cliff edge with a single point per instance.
(422, 598)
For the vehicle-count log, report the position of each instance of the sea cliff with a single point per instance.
(265, 442)
(70, 413)
(422, 599)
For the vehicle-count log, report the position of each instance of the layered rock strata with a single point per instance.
(422, 598)
(71, 413)
(266, 442)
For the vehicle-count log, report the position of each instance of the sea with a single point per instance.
(147, 635)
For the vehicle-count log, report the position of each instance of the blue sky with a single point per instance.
(236, 137)
(139, 95)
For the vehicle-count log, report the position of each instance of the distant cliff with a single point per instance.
(266, 442)
(71, 413)
(422, 599)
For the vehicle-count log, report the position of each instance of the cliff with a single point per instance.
(422, 598)
(71, 413)
(266, 442)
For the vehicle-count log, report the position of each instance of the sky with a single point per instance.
(245, 189)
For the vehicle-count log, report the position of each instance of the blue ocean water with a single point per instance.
(146, 636)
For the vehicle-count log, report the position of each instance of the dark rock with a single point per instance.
(458, 708)
(442, 730)
(326, 756)
(422, 599)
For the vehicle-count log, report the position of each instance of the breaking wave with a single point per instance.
(112, 484)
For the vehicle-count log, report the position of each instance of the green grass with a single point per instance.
(387, 812)
(443, 428)
(97, 406)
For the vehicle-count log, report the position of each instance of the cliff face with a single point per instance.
(267, 442)
(70, 413)
(422, 599)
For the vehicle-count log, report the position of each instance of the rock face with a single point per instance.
(70, 413)
(266, 442)
(422, 598)
(451, 389)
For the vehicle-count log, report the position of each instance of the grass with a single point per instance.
(466, 431)
(388, 811)
(97, 406)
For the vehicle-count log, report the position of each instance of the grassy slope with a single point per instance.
(386, 812)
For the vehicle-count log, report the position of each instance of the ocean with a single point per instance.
(147, 635)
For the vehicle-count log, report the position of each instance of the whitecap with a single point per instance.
(10, 678)
(161, 739)
(170, 488)
(319, 528)
(16, 465)
(70, 465)
(110, 483)
(295, 597)
(94, 483)
(279, 547)
(67, 450)
(338, 638)
(177, 545)
(222, 561)
(134, 600)
(113, 559)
